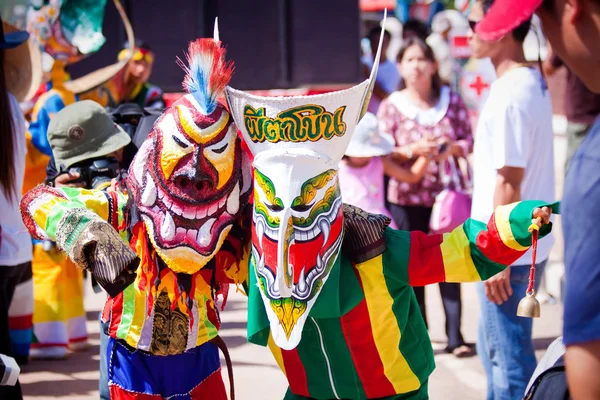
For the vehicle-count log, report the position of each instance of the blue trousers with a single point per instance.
(103, 382)
(504, 342)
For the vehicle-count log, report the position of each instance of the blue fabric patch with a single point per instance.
(581, 235)
(38, 128)
(21, 341)
(160, 375)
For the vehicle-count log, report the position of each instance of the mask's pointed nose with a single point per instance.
(285, 271)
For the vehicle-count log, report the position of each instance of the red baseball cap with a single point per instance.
(504, 16)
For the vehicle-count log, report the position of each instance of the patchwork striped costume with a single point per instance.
(365, 337)
(162, 313)
(164, 242)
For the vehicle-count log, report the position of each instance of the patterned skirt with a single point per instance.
(139, 375)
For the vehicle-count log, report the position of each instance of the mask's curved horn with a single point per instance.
(216, 30)
(373, 76)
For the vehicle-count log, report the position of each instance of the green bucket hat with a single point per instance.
(83, 131)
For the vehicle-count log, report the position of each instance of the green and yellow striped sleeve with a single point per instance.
(474, 251)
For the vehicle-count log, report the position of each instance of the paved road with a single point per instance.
(256, 374)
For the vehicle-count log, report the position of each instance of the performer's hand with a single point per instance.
(66, 180)
(497, 288)
(541, 216)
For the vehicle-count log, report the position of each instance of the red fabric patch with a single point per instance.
(117, 393)
(78, 340)
(106, 310)
(425, 265)
(115, 315)
(295, 373)
(29, 197)
(44, 345)
(212, 315)
(212, 388)
(22, 322)
(491, 245)
(356, 326)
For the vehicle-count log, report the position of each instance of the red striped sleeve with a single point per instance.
(295, 373)
(491, 245)
(356, 326)
(425, 265)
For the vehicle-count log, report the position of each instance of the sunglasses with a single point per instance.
(473, 24)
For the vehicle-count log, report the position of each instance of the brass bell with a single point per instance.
(529, 306)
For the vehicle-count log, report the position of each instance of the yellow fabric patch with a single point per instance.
(141, 301)
(57, 287)
(41, 213)
(276, 351)
(202, 336)
(456, 254)
(501, 216)
(385, 326)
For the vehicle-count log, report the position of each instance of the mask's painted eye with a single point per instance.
(181, 142)
(222, 144)
(274, 207)
(220, 149)
(302, 207)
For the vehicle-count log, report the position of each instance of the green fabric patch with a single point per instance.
(340, 294)
(258, 322)
(81, 22)
(127, 313)
(485, 267)
(521, 216)
(414, 339)
(396, 257)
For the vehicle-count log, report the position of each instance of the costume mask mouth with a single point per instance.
(305, 237)
(190, 177)
(297, 228)
(295, 243)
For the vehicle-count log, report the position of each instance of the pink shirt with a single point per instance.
(364, 187)
(447, 119)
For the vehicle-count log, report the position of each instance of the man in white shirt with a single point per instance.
(513, 161)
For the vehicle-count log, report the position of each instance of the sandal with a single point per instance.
(462, 351)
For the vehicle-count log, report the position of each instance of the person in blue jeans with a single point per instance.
(504, 341)
(103, 381)
(513, 160)
(573, 30)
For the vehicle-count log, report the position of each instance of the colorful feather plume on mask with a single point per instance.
(207, 74)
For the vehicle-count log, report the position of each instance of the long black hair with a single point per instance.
(436, 81)
(7, 138)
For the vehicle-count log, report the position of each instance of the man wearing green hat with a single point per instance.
(84, 131)
(78, 134)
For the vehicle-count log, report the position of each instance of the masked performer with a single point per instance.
(179, 208)
(66, 31)
(330, 285)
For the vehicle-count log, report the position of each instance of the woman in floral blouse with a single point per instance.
(426, 119)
